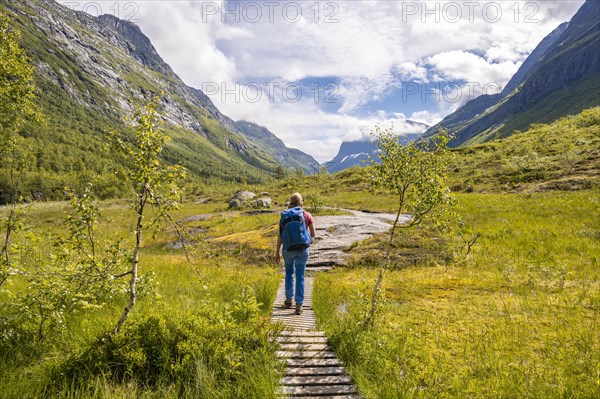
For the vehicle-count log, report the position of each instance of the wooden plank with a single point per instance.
(291, 315)
(294, 319)
(291, 333)
(317, 380)
(292, 371)
(301, 325)
(306, 355)
(313, 371)
(302, 340)
(318, 390)
(291, 362)
(305, 347)
(329, 397)
(289, 319)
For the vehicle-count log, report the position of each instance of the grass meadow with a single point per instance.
(504, 304)
(207, 315)
(519, 317)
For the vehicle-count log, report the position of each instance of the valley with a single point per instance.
(139, 223)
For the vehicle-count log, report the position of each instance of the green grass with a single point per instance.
(562, 155)
(204, 292)
(517, 318)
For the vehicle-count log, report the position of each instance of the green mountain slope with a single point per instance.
(88, 70)
(272, 145)
(559, 79)
(562, 156)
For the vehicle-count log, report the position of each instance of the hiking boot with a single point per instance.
(287, 303)
(298, 309)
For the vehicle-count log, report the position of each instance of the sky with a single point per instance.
(317, 73)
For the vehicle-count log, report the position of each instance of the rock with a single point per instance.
(336, 234)
(39, 197)
(244, 196)
(197, 218)
(255, 212)
(261, 203)
(234, 203)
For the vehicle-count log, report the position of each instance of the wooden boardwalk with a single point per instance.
(313, 369)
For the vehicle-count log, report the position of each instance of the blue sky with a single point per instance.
(319, 72)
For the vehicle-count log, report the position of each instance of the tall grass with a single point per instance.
(517, 319)
(211, 315)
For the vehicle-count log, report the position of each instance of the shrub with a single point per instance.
(165, 348)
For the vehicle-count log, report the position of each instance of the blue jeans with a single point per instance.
(295, 261)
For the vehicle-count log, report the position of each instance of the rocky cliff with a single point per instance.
(89, 72)
(360, 152)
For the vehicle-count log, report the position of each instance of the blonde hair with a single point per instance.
(296, 200)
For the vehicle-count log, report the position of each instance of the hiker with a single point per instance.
(295, 239)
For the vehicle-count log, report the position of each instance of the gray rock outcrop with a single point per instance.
(335, 234)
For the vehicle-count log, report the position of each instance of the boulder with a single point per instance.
(234, 203)
(261, 203)
(244, 196)
(196, 218)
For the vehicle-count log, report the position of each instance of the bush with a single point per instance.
(164, 349)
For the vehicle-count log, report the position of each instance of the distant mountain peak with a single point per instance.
(359, 152)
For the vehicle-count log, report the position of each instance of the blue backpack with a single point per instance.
(292, 230)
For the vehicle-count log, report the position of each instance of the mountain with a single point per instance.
(276, 149)
(352, 153)
(89, 70)
(358, 152)
(536, 55)
(560, 77)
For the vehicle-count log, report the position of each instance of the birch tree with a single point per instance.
(415, 174)
(154, 185)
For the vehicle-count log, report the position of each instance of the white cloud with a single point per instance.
(186, 42)
(357, 91)
(303, 125)
(426, 117)
(461, 65)
(366, 45)
(412, 72)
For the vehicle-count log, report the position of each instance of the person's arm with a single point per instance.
(310, 224)
(277, 250)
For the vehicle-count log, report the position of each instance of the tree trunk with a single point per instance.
(134, 273)
(377, 290)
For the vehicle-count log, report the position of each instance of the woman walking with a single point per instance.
(294, 225)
